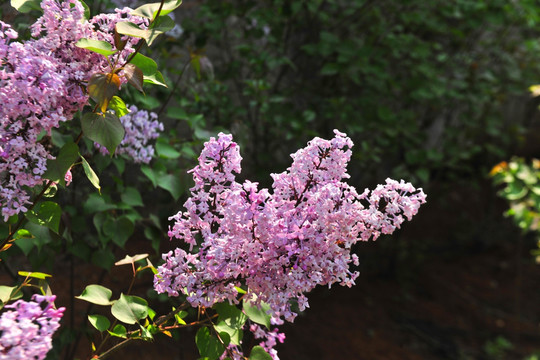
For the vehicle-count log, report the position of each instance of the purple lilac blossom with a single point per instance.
(26, 331)
(141, 127)
(41, 85)
(278, 244)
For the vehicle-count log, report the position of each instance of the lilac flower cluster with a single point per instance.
(41, 85)
(26, 332)
(141, 127)
(278, 244)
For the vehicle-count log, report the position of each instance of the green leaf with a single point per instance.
(97, 46)
(25, 6)
(42, 235)
(166, 150)
(171, 183)
(90, 174)
(96, 203)
(130, 309)
(119, 331)
(96, 294)
(147, 65)
(146, 333)
(7, 293)
(100, 322)
(119, 230)
(150, 174)
(57, 168)
(208, 344)
(119, 106)
(235, 335)
(156, 79)
(180, 316)
(160, 26)
(514, 191)
(86, 10)
(35, 275)
(24, 240)
(149, 11)
(132, 197)
(105, 129)
(48, 214)
(231, 315)
(258, 353)
(256, 314)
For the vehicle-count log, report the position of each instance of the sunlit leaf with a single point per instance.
(90, 174)
(258, 353)
(35, 275)
(25, 6)
(118, 106)
(47, 214)
(100, 322)
(130, 309)
(147, 65)
(156, 79)
(96, 294)
(97, 46)
(150, 10)
(256, 314)
(119, 331)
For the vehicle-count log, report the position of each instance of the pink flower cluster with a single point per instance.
(42, 84)
(279, 244)
(26, 331)
(141, 127)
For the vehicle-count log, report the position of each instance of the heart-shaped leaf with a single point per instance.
(96, 294)
(130, 309)
(105, 129)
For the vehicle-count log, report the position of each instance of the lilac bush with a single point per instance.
(279, 244)
(42, 85)
(26, 331)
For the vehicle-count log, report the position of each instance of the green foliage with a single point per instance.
(97, 46)
(258, 353)
(105, 129)
(257, 313)
(57, 168)
(498, 348)
(100, 322)
(208, 344)
(521, 188)
(130, 309)
(419, 86)
(96, 294)
(25, 6)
